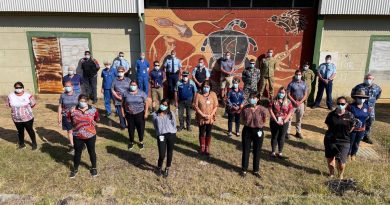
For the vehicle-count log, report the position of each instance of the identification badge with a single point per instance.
(144, 72)
(260, 133)
(161, 138)
(208, 102)
(280, 119)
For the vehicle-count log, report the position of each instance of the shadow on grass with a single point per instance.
(313, 128)
(382, 112)
(302, 145)
(52, 136)
(131, 157)
(60, 154)
(107, 120)
(111, 135)
(12, 136)
(52, 107)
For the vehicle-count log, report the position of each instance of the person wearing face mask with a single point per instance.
(21, 104)
(373, 91)
(90, 68)
(184, 95)
(164, 123)
(234, 105)
(200, 73)
(120, 61)
(326, 74)
(74, 78)
(119, 86)
(205, 105)
(253, 117)
(108, 74)
(308, 77)
(83, 118)
(227, 70)
(68, 100)
(172, 68)
(280, 110)
(361, 111)
(297, 93)
(337, 138)
(135, 105)
(142, 66)
(157, 79)
(251, 78)
(268, 65)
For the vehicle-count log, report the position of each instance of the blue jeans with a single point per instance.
(356, 137)
(328, 88)
(107, 100)
(143, 84)
(122, 119)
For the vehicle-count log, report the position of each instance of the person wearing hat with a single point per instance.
(361, 111)
(184, 93)
(251, 78)
(234, 105)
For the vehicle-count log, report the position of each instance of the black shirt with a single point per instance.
(89, 67)
(340, 126)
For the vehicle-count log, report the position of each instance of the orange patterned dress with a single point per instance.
(206, 104)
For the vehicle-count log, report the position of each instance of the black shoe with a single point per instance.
(130, 146)
(367, 140)
(159, 171)
(243, 174)
(229, 134)
(22, 146)
(166, 172)
(257, 174)
(123, 128)
(73, 174)
(180, 128)
(314, 106)
(93, 172)
(298, 135)
(189, 128)
(287, 136)
(107, 115)
(141, 146)
(34, 147)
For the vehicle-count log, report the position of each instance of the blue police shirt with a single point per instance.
(172, 65)
(108, 76)
(328, 69)
(157, 76)
(118, 62)
(235, 98)
(142, 68)
(185, 91)
(297, 89)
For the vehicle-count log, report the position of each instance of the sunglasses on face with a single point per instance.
(252, 63)
(341, 104)
(121, 56)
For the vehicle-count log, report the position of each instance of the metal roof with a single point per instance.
(354, 7)
(73, 6)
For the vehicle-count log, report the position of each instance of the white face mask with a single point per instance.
(185, 79)
(173, 55)
(305, 67)
(360, 101)
(121, 57)
(270, 54)
(19, 90)
(71, 72)
(328, 61)
(87, 56)
(156, 67)
(201, 65)
(121, 74)
(228, 57)
(142, 57)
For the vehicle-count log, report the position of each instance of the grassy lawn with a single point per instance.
(128, 176)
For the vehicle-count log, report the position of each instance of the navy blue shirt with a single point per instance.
(108, 76)
(142, 68)
(157, 77)
(186, 90)
(235, 98)
(76, 81)
(361, 114)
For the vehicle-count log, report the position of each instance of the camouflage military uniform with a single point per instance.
(374, 92)
(250, 77)
(308, 77)
(267, 70)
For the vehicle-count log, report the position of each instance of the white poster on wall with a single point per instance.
(380, 57)
(72, 50)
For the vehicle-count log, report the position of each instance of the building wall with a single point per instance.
(348, 39)
(109, 35)
(250, 34)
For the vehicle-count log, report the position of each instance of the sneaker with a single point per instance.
(189, 128)
(159, 171)
(237, 134)
(141, 146)
(180, 128)
(273, 154)
(34, 147)
(93, 172)
(130, 146)
(243, 174)
(314, 106)
(71, 151)
(298, 135)
(73, 174)
(280, 155)
(166, 172)
(229, 134)
(22, 146)
(257, 174)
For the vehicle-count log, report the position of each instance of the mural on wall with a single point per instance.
(246, 33)
(52, 57)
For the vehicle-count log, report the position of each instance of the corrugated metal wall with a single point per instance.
(74, 6)
(355, 7)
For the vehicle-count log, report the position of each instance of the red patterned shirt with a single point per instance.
(21, 106)
(83, 122)
(281, 109)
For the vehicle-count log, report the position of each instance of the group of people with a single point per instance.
(129, 90)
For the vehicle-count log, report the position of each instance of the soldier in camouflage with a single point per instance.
(308, 77)
(250, 77)
(267, 69)
(374, 93)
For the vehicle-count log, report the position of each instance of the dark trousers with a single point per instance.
(90, 84)
(250, 136)
(172, 81)
(185, 105)
(356, 137)
(278, 134)
(205, 130)
(78, 150)
(166, 146)
(122, 119)
(369, 123)
(328, 88)
(136, 121)
(20, 126)
(236, 118)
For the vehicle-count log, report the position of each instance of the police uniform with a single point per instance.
(185, 94)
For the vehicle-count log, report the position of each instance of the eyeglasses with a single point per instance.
(18, 88)
(341, 104)
(156, 65)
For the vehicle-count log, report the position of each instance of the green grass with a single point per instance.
(129, 175)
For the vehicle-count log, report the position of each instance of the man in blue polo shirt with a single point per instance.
(326, 74)
(172, 68)
(108, 74)
(142, 66)
(185, 92)
(297, 93)
(157, 78)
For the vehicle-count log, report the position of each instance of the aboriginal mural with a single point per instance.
(246, 33)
